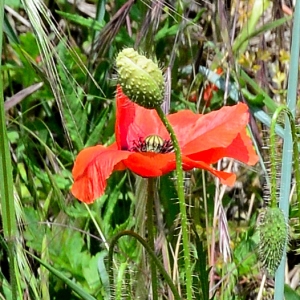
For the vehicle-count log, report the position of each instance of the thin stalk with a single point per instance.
(120, 279)
(150, 227)
(151, 253)
(182, 205)
(290, 117)
(273, 162)
(6, 183)
(287, 146)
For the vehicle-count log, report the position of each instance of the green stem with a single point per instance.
(151, 254)
(286, 161)
(6, 183)
(273, 162)
(182, 205)
(283, 109)
(150, 227)
(121, 274)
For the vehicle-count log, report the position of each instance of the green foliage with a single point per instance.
(85, 22)
(61, 244)
(72, 106)
(289, 293)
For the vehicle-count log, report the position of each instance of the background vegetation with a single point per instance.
(58, 81)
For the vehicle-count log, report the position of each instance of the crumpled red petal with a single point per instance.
(217, 129)
(92, 168)
(134, 122)
(240, 149)
(225, 177)
(183, 122)
(125, 115)
(147, 164)
(156, 164)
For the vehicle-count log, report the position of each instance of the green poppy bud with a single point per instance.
(141, 79)
(273, 231)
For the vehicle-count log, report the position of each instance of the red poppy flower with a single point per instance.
(143, 145)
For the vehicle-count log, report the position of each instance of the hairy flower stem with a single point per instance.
(151, 253)
(150, 227)
(285, 110)
(291, 99)
(182, 205)
(273, 228)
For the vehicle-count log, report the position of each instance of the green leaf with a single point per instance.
(202, 278)
(29, 44)
(290, 294)
(244, 255)
(103, 273)
(13, 3)
(112, 201)
(90, 272)
(267, 100)
(34, 232)
(243, 37)
(166, 31)
(8, 30)
(93, 138)
(242, 40)
(72, 106)
(86, 22)
(77, 289)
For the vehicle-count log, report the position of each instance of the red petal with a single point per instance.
(92, 168)
(155, 164)
(252, 156)
(240, 149)
(124, 117)
(216, 129)
(134, 122)
(147, 164)
(183, 123)
(225, 178)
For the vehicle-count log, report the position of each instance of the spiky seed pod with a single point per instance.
(141, 79)
(273, 231)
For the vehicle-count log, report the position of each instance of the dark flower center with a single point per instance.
(152, 143)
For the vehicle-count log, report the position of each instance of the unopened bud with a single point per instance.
(141, 79)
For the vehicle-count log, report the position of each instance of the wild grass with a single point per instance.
(58, 81)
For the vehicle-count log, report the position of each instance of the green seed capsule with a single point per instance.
(273, 232)
(141, 79)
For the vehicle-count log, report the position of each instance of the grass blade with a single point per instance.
(288, 142)
(6, 183)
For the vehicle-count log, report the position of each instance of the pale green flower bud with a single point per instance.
(141, 79)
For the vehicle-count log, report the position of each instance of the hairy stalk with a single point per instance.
(273, 226)
(6, 185)
(118, 285)
(286, 161)
(150, 227)
(151, 254)
(290, 123)
(184, 221)
(285, 110)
